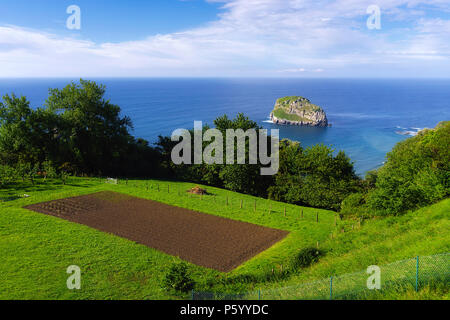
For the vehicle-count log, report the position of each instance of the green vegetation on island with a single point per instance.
(296, 110)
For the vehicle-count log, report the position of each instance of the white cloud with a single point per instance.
(252, 38)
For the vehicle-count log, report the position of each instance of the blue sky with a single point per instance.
(107, 20)
(221, 38)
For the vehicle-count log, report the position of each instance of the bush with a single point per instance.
(416, 174)
(314, 176)
(7, 175)
(178, 279)
(306, 257)
(354, 205)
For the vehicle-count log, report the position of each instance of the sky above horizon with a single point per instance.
(225, 38)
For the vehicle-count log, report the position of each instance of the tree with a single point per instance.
(78, 129)
(7, 175)
(313, 176)
(16, 131)
(416, 173)
(48, 170)
(92, 133)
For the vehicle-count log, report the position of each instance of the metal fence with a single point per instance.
(398, 276)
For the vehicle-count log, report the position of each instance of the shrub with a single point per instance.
(48, 170)
(306, 257)
(354, 205)
(178, 279)
(7, 175)
(416, 174)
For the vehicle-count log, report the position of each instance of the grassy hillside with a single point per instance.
(382, 241)
(35, 249)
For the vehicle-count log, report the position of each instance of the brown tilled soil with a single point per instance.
(205, 240)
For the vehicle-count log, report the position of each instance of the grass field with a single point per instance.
(35, 249)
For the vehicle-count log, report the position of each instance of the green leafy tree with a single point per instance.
(93, 134)
(7, 175)
(49, 170)
(416, 173)
(16, 131)
(313, 176)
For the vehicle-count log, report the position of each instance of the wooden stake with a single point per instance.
(317, 217)
(285, 211)
(255, 206)
(241, 205)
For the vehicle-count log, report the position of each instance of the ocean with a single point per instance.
(368, 117)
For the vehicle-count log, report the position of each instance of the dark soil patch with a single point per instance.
(203, 239)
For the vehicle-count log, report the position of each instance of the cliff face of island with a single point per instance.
(298, 111)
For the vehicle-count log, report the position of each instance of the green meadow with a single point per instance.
(35, 249)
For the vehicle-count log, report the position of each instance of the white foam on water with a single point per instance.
(411, 131)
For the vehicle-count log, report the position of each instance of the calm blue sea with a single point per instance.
(368, 116)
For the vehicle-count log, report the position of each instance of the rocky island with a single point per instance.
(298, 111)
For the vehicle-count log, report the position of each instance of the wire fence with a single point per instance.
(401, 275)
(398, 276)
(233, 201)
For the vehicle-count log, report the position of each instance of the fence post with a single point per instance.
(259, 294)
(331, 288)
(417, 273)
